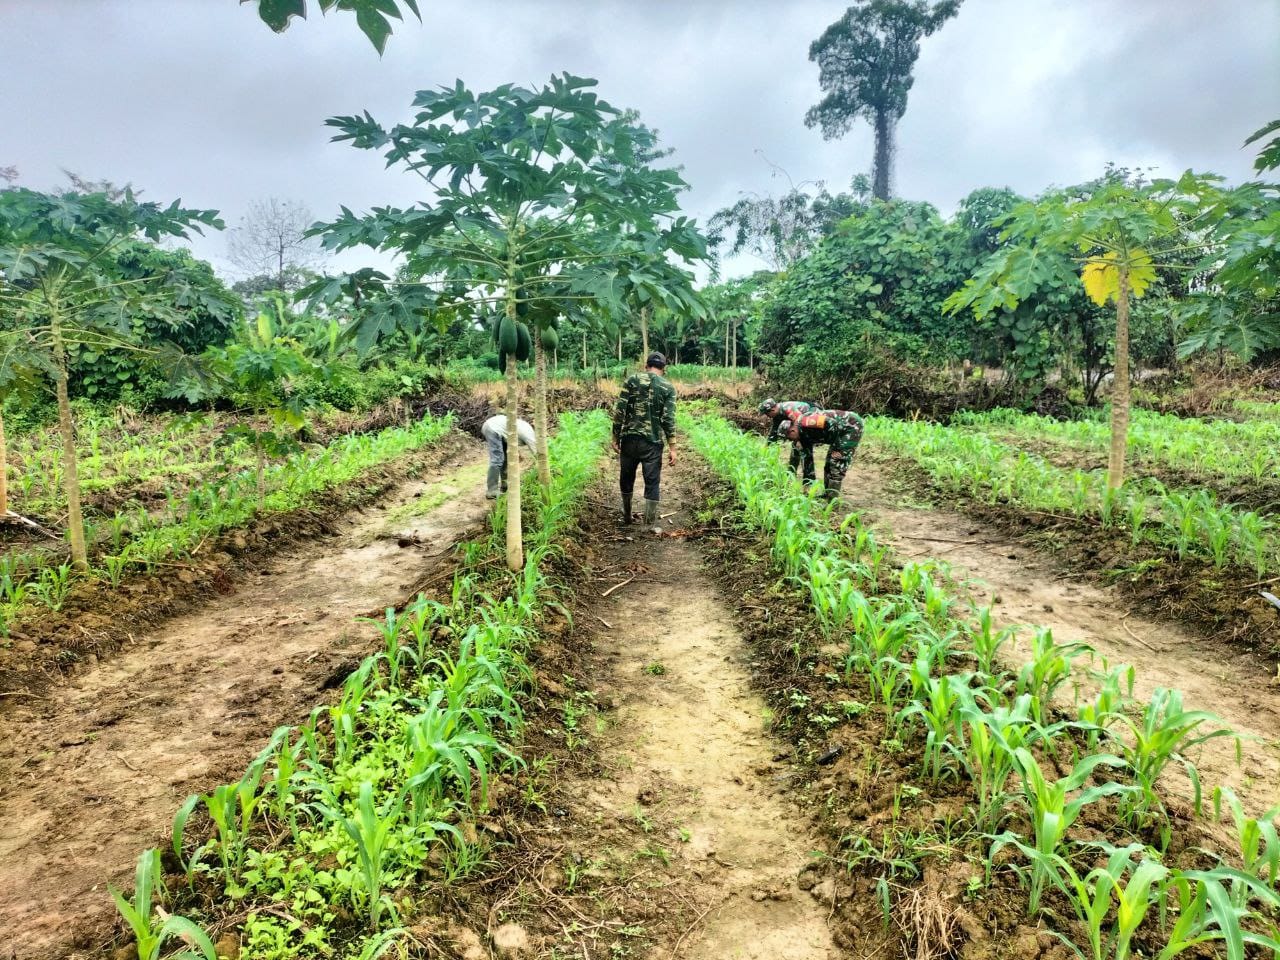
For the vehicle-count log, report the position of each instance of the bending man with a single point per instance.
(644, 417)
(841, 430)
(778, 413)
(494, 431)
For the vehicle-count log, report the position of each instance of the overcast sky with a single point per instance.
(198, 99)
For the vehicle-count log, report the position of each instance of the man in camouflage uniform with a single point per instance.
(801, 455)
(841, 430)
(644, 417)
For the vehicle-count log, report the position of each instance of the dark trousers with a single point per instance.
(645, 454)
(802, 456)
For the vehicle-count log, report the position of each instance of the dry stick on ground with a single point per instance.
(618, 586)
(1138, 638)
(1261, 583)
(689, 929)
(904, 536)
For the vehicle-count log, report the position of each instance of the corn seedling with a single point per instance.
(1256, 838)
(990, 741)
(1115, 693)
(149, 935)
(53, 586)
(1211, 908)
(1048, 668)
(232, 808)
(937, 703)
(986, 642)
(1052, 813)
(1161, 736)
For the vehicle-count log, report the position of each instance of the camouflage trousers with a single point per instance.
(843, 444)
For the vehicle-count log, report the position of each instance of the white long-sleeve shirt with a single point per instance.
(497, 427)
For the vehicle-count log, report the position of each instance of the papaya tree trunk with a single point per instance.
(619, 345)
(1120, 385)
(260, 458)
(540, 412)
(70, 473)
(584, 350)
(644, 334)
(726, 342)
(515, 534)
(4, 470)
(733, 335)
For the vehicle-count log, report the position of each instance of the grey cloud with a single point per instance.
(195, 98)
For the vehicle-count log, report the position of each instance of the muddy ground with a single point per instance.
(92, 772)
(1029, 587)
(676, 794)
(48, 646)
(691, 744)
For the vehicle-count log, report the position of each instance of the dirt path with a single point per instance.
(1028, 589)
(691, 745)
(94, 774)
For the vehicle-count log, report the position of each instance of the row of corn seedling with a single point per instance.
(322, 847)
(1215, 448)
(937, 675)
(140, 540)
(1184, 521)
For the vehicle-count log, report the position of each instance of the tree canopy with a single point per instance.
(373, 17)
(865, 67)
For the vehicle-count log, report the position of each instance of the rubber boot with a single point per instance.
(626, 510)
(651, 516)
(492, 482)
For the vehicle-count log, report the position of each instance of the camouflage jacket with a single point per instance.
(788, 410)
(842, 429)
(646, 408)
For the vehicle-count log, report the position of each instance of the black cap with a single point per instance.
(656, 360)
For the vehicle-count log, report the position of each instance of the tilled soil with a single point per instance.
(691, 746)
(1027, 587)
(93, 774)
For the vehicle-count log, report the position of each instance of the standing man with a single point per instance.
(841, 430)
(494, 431)
(801, 453)
(644, 417)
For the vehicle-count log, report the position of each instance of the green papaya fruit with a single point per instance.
(550, 338)
(502, 361)
(495, 328)
(524, 343)
(508, 338)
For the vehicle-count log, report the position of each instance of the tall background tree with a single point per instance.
(865, 62)
(271, 247)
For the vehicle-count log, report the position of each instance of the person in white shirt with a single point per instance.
(494, 432)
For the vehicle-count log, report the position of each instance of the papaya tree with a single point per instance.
(257, 373)
(530, 194)
(20, 369)
(1118, 233)
(1237, 308)
(644, 277)
(60, 290)
(373, 17)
